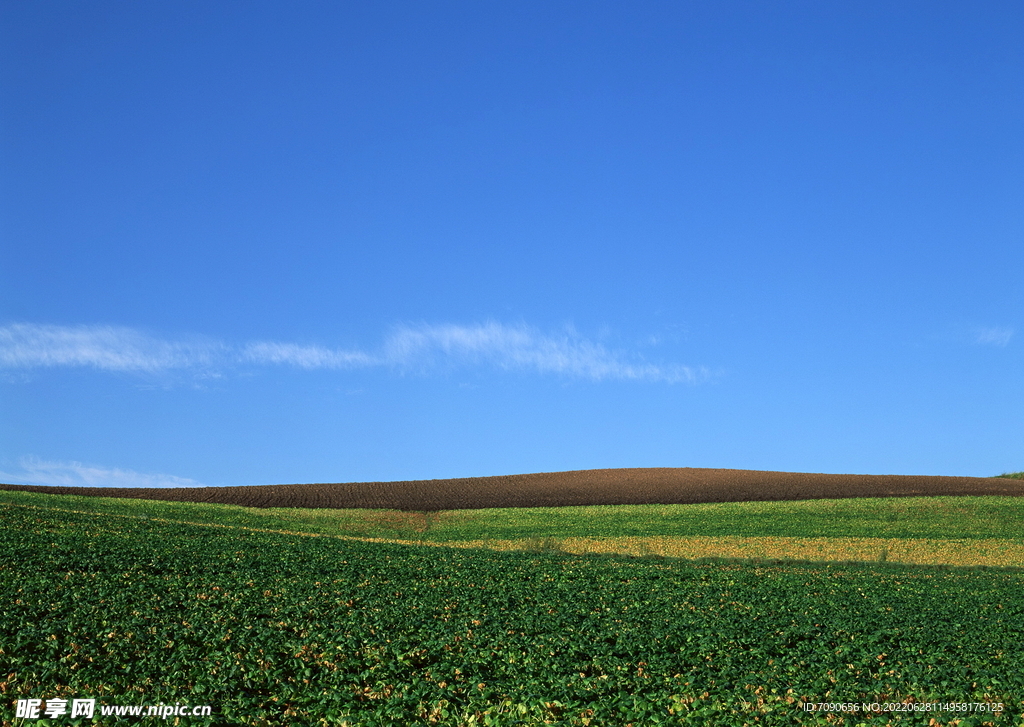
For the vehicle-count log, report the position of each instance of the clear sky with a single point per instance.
(275, 242)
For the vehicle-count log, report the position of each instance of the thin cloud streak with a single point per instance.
(425, 347)
(305, 357)
(522, 348)
(993, 336)
(110, 348)
(35, 471)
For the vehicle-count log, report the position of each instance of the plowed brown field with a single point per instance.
(664, 486)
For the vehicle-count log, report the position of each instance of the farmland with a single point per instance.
(638, 486)
(981, 530)
(145, 601)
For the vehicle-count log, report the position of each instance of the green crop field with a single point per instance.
(980, 530)
(948, 518)
(137, 602)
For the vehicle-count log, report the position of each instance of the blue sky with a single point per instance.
(269, 242)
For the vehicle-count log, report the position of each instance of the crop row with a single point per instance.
(637, 486)
(273, 629)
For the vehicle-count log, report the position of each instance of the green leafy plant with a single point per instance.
(277, 628)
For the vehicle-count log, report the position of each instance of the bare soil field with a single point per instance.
(639, 486)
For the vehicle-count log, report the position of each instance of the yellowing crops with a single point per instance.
(997, 553)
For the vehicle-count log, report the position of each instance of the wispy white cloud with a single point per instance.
(523, 348)
(112, 348)
(993, 336)
(35, 471)
(305, 357)
(424, 347)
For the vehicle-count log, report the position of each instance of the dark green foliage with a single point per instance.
(273, 629)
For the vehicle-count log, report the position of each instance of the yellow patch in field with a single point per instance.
(895, 550)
